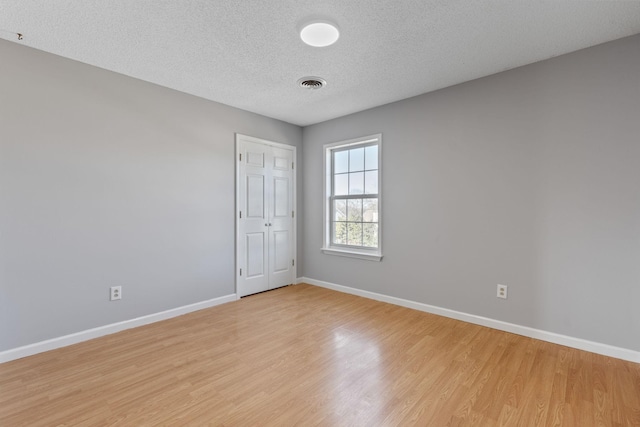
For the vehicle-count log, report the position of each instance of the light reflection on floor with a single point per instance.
(357, 375)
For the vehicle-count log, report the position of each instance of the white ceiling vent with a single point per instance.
(312, 83)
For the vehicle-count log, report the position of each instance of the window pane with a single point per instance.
(371, 157)
(370, 210)
(356, 159)
(339, 210)
(354, 213)
(353, 202)
(356, 183)
(371, 182)
(341, 184)
(354, 233)
(370, 235)
(341, 161)
(340, 233)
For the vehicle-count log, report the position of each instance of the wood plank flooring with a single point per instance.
(308, 356)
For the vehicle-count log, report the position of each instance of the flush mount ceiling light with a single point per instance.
(319, 34)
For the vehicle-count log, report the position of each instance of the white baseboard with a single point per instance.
(579, 343)
(42, 346)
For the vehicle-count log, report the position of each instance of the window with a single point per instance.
(352, 225)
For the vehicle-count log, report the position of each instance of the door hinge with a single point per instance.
(241, 272)
(293, 262)
(292, 167)
(240, 214)
(293, 215)
(240, 156)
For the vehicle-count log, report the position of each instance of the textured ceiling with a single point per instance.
(247, 53)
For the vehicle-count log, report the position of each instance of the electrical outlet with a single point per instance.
(116, 293)
(502, 291)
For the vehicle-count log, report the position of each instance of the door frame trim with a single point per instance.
(294, 251)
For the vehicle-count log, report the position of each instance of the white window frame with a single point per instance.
(373, 254)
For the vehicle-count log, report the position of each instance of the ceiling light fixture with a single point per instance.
(319, 34)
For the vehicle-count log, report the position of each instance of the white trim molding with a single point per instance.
(89, 334)
(552, 337)
(353, 254)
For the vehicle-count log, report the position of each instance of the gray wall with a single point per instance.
(106, 180)
(528, 178)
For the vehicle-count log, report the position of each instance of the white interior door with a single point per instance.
(265, 224)
(281, 222)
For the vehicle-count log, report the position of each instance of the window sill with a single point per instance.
(369, 256)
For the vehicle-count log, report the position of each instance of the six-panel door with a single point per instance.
(265, 220)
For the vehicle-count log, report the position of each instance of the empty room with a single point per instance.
(338, 213)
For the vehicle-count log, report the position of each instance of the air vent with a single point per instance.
(312, 82)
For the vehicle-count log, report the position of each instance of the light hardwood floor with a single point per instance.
(307, 356)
